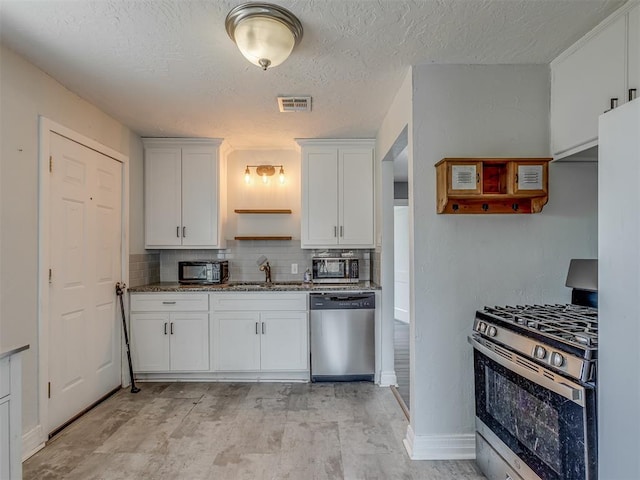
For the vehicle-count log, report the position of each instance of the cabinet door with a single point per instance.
(582, 85)
(284, 337)
(356, 197)
(238, 341)
(199, 197)
(189, 344)
(150, 342)
(464, 178)
(5, 447)
(162, 197)
(633, 45)
(320, 197)
(529, 178)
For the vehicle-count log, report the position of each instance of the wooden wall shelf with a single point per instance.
(492, 185)
(263, 211)
(263, 237)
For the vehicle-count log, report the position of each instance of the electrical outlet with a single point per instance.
(294, 268)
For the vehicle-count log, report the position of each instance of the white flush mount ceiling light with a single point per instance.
(264, 33)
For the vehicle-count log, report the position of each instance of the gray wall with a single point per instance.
(461, 263)
(26, 93)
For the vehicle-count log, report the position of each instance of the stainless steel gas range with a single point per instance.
(535, 380)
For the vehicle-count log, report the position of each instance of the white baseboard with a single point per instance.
(388, 378)
(32, 442)
(440, 447)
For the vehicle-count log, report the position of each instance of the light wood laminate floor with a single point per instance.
(241, 431)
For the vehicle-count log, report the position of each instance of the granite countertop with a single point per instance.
(255, 287)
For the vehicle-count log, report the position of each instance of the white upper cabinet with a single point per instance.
(633, 46)
(591, 77)
(337, 193)
(183, 201)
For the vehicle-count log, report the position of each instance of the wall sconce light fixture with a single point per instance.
(264, 171)
(264, 33)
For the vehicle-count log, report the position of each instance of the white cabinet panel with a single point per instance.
(199, 198)
(356, 197)
(582, 86)
(168, 340)
(189, 342)
(5, 444)
(182, 193)
(337, 193)
(150, 342)
(320, 217)
(283, 342)
(633, 45)
(162, 196)
(238, 341)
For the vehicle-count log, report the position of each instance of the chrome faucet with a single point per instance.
(266, 268)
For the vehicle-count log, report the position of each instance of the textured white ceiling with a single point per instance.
(167, 68)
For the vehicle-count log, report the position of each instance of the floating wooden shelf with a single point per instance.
(263, 237)
(263, 211)
(492, 185)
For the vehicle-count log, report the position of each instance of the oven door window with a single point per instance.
(544, 429)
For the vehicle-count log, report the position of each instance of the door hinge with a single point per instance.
(48, 389)
(50, 163)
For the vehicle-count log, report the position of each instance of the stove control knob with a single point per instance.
(539, 352)
(557, 360)
(482, 327)
(492, 331)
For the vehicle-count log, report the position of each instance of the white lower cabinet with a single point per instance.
(261, 332)
(169, 340)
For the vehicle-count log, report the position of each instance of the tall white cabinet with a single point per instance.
(184, 193)
(599, 72)
(337, 193)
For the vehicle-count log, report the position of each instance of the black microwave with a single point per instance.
(204, 271)
(335, 270)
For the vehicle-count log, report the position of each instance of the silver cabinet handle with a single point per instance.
(613, 103)
(257, 333)
(263, 329)
(165, 328)
(168, 303)
(335, 231)
(184, 231)
(171, 329)
(178, 231)
(632, 93)
(341, 231)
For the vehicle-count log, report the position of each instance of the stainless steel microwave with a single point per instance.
(335, 270)
(205, 271)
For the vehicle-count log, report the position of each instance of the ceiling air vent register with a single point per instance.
(294, 104)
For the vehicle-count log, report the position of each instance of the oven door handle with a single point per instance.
(572, 392)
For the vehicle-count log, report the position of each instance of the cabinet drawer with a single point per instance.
(5, 377)
(169, 302)
(251, 302)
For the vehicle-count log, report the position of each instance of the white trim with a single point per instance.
(388, 378)
(595, 31)
(292, 376)
(440, 447)
(32, 442)
(46, 127)
(337, 142)
(171, 141)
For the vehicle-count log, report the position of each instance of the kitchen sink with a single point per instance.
(263, 285)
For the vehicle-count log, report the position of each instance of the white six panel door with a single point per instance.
(86, 229)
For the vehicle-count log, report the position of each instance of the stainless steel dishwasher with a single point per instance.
(342, 336)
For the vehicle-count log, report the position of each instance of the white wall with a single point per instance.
(398, 117)
(461, 263)
(26, 93)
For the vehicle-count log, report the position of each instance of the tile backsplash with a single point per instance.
(144, 268)
(242, 256)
